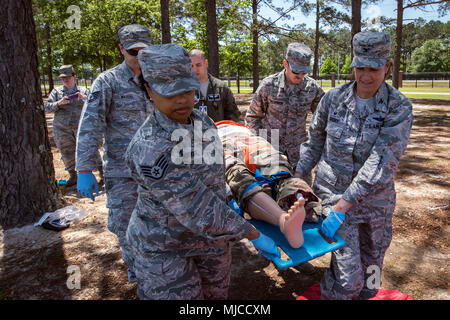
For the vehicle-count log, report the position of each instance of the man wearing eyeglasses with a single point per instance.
(116, 107)
(282, 102)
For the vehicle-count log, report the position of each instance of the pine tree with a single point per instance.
(328, 66)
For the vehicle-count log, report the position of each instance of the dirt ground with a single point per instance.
(36, 263)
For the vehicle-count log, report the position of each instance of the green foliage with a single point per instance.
(95, 42)
(93, 47)
(414, 34)
(346, 67)
(328, 66)
(236, 55)
(432, 56)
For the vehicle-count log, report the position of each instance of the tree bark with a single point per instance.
(213, 42)
(27, 183)
(398, 44)
(356, 20)
(165, 22)
(316, 45)
(255, 47)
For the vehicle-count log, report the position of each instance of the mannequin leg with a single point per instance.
(262, 207)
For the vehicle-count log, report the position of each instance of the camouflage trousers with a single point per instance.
(65, 140)
(121, 197)
(172, 277)
(354, 266)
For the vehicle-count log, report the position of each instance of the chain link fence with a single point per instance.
(245, 84)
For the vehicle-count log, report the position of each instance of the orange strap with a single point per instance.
(228, 122)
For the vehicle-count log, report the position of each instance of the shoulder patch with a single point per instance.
(158, 170)
(93, 96)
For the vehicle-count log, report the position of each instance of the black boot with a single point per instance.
(100, 171)
(73, 178)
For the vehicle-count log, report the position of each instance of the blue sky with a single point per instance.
(387, 8)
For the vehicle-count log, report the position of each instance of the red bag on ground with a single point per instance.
(313, 293)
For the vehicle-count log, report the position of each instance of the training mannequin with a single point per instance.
(261, 180)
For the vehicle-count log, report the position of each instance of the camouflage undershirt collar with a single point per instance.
(381, 99)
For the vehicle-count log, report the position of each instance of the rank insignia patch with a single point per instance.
(156, 171)
(93, 96)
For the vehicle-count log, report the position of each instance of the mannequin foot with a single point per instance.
(291, 223)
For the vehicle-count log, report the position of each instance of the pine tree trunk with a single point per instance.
(165, 22)
(213, 42)
(398, 44)
(356, 20)
(316, 45)
(255, 47)
(27, 183)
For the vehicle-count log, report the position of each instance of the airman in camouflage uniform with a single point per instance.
(116, 107)
(180, 230)
(283, 100)
(67, 115)
(357, 136)
(217, 101)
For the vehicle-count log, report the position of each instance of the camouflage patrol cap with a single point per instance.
(134, 36)
(371, 49)
(167, 68)
(66, 71)
(298, 55)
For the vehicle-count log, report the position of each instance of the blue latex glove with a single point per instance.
(266, 246)
(86, 182)
(332, 223)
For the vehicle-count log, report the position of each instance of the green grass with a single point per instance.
(428, 96)
(421, 89)
(419, 96)
(326, 85)
(242, 90)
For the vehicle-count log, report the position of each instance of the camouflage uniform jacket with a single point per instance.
(357, 151)
(116, 107)
(219, 101)
(181, 208)
(279, 105)
(66, 115)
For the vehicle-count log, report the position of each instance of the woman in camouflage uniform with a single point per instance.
(179, 234)
(356, 137)
(66, 102)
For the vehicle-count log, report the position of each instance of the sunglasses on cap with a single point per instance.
(297, 73)
(132, 52)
